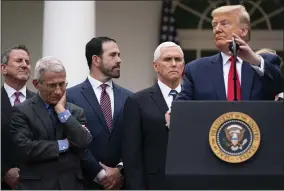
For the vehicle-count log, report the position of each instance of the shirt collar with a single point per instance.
(226, 58)
(96, 83)
(10, 91)
(166, 89)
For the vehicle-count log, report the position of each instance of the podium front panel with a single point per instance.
(190, 159)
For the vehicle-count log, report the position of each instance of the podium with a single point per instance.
(195, 161)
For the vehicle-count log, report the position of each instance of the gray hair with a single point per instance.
(5, 55)
(270, 51)
(157, 52)
(48, 64)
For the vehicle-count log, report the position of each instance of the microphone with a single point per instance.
(234, 47)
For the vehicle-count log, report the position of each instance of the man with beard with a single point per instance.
(103, 103)
(15, 67)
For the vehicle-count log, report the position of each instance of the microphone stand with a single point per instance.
(233, 47)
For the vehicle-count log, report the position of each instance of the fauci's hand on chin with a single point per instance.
(60, 106)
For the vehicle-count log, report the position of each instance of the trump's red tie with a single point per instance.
(106, 106)
(230, 93)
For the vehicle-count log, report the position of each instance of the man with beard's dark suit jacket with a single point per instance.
(103, 58)
(106, 145)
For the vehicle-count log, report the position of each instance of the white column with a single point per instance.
(67, 27)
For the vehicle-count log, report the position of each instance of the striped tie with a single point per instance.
(17, 99)
(106, 106)
(173, 93)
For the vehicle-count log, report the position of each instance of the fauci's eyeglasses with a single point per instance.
(53, 86)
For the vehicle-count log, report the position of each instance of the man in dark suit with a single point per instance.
(50, 133)
(276, 59)
(15, 67)
(103, 101)
(211, 78)
(145, 134)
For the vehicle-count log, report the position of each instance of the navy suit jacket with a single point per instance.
(106, 144)
(203, 80)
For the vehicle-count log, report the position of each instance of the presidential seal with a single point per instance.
(234, 137)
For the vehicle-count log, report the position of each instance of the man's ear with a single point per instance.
(36, 84)
(244, 32)
(155, 66)
(96, 60)
(3, 69)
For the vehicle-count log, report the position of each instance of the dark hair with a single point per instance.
(5, 55)
(95, 47)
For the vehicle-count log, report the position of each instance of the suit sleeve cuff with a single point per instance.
(259, 68)
(63, 116)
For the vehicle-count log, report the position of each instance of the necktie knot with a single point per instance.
(17, 94)
(173, 93)
(104, 86)
(50, 107)
(231, 59)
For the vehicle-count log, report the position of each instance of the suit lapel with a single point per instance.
(42, 113)
(158, 98)
(216, 72)
(247, 79)
(88, 92)
(30, 94)
(117, 95)
(5, 103)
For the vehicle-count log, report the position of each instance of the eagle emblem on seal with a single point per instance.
(235, 137)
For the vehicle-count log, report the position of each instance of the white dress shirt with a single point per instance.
(166, 90)
(227, 64)
(11, 93)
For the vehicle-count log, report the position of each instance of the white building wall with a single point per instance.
(134, 24)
